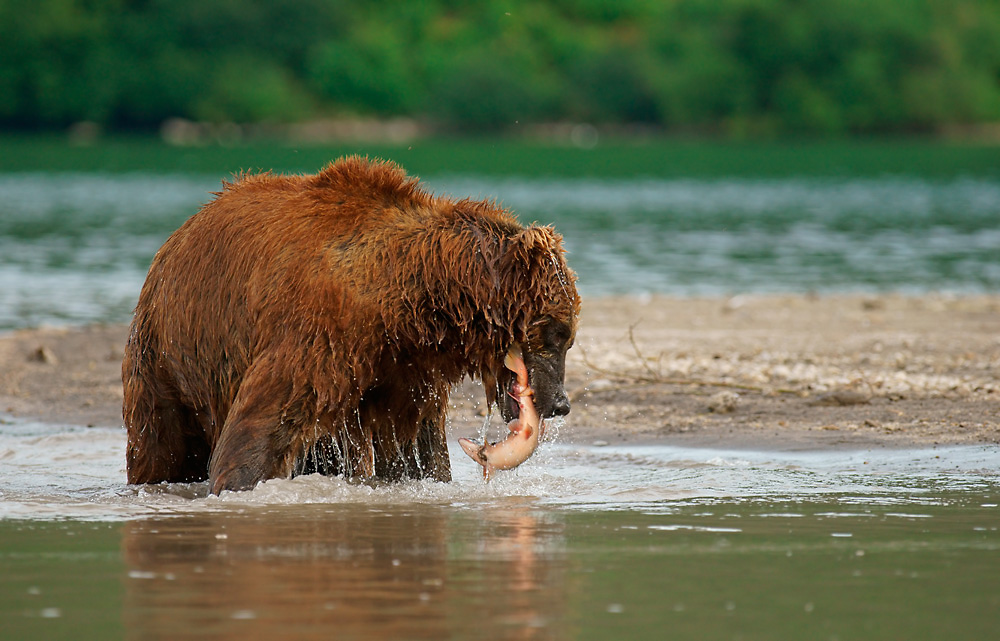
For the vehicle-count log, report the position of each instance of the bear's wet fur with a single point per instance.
(317, 323)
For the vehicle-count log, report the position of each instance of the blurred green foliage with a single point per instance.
(733, 67)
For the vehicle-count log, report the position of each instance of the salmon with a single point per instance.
(525, 430)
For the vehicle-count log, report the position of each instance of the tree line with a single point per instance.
(727, 67)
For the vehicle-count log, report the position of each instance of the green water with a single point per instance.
(790, 549)
(581, 542)
(80, 225)
(702, 570)
(506, 157)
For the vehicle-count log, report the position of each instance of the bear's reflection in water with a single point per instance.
(346, 572)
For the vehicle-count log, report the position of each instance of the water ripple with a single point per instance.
(74, 248)
(54, 472)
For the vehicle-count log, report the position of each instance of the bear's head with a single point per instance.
(513, 288)
(545, 359)
(546, 308)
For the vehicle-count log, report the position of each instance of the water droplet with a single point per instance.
(140, 574)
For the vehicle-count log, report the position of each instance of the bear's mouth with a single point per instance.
(511, 406)
(515, 377)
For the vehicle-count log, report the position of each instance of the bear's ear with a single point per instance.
(534, 280)
(538, 238)
(533, 247)
(533, 258)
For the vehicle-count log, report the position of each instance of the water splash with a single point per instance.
(56, 471)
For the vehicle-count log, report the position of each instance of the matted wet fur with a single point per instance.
(317, 323)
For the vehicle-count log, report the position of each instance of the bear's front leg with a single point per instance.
(255, 443)
(432, 450)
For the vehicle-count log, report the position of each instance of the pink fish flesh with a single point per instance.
(525, 430)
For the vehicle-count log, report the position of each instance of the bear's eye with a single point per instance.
(557, 335)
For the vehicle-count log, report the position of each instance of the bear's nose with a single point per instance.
(561, 405)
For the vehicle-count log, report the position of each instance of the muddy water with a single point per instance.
(583, 542)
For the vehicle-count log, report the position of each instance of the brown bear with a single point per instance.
(317, 323)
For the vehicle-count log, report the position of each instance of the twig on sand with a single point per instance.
(650, 376)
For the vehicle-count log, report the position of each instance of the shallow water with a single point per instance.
(75, 247)
(583, 541)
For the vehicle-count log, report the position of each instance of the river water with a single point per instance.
(582, 542)
(74, 248)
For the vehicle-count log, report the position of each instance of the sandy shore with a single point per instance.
(786, 372)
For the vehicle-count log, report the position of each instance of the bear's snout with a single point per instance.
(561, 406)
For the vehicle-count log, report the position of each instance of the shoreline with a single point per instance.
(772, 372)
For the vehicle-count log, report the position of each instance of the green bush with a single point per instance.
(742, 67)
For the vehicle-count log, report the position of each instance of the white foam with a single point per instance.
(57, 471)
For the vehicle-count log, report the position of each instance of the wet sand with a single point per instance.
(768, 372)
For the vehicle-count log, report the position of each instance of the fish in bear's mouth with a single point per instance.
(525, 426)
(511, 409)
